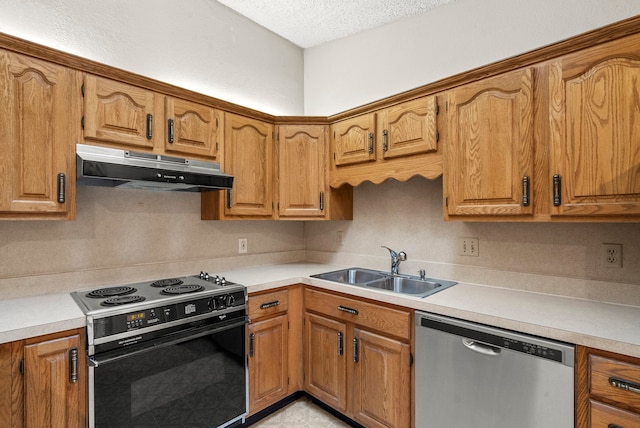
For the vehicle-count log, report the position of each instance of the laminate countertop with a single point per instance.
(607, 326)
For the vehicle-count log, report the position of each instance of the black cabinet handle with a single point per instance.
(356, 350)
(252, 344)
(525, 191)
(321, 201)
(62, 187)
(340, 343)
(624, 385)
(557, 184)
(171, 130)
(149, 126)
(73, 365)
(269, 304)
(614, 426)
(229, 198)
(370, 142)
(348, 309)
(385, 140)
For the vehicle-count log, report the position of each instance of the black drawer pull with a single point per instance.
(347, 309)
(624, 385)
(614, 426)
(270, 304)
(557, 183)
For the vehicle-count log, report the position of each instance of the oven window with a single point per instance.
(197, 383)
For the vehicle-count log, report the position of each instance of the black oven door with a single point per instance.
(189, 380)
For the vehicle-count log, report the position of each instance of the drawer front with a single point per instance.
(615, 380)
(604, 416)
(264, 305)
(386, 320)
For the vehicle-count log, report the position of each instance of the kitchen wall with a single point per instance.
(408, 216)
(199, 45)
(450, 39)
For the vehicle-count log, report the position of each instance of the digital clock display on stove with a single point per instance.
(136, 316)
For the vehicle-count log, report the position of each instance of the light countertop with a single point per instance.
(606, 326)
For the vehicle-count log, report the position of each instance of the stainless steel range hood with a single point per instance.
(102, 166)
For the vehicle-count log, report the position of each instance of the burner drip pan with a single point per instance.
(101, 293)
(183, 289)
(169, 282)
(122, 300)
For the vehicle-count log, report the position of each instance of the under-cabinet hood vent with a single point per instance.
(102, 166)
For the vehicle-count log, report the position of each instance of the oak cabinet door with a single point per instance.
(52, 398)
(325, 361)
(595, 129)
(302, 151)
(354, 140)
(123, 114)
(268, 362)
(489, 158)
(410, 128)
(39, 126)
(381, 381)
(191, 128)
(248, 156)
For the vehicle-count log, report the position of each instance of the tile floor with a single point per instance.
(302, 413)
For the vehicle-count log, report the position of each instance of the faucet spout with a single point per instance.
(396, 258)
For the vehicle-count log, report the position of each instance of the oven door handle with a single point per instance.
(109, 357)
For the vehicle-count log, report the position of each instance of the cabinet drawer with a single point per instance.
(604, 416)
(264, 305)
(606, 373)
(387, 320)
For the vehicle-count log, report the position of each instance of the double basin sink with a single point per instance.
(402, 284)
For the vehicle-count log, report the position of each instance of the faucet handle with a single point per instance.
(402, 256)
(423, 274)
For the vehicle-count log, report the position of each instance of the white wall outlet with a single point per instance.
(242, 245)
(612, 255)
(469, 247)
(339, 237)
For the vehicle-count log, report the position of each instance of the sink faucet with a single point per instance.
(396, 258)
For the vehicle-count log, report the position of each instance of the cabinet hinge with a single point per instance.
(82, 90)
(288, 381)
(217, 146)
(22, 366)
(410, 360)
(446, 202)
(437, 136)
(288, 325)
(334, 156)
(82, 122)
(446, 105)
(216, 123)
(437, 109)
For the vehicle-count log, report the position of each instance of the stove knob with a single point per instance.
(223, 281)
(201, 275)
(229, 300)
(217, 280)
(206, 276)
(212, 304)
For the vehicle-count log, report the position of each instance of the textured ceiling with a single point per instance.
(311, 22)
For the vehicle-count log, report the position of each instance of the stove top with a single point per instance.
(153, 293)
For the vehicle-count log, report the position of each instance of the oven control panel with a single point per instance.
(149, 317)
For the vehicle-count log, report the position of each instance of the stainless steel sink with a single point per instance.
(353, 276)
(402, 284)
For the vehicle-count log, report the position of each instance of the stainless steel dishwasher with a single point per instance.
(471, 375)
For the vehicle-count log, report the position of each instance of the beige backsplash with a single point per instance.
(129, 235)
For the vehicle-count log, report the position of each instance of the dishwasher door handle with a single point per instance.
(481, 348)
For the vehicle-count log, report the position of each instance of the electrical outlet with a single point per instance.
(612, 255)
(339, 237)
(242, 245)
(469, 247)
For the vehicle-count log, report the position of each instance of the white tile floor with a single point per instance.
(302, 413)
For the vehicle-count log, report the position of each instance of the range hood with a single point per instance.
(102, 166)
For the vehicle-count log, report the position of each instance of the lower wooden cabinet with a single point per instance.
(274, 341)
(608, 387)
(357, 358)
(43, 381)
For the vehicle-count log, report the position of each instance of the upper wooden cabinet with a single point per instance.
(248, 156)
(398, 142)
(301, 151)
(38, 130)
(489, 162)
(130, 116)
(595, 130)
(192, 128)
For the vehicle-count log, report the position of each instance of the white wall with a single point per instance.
(451, 39)
(198, 44)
